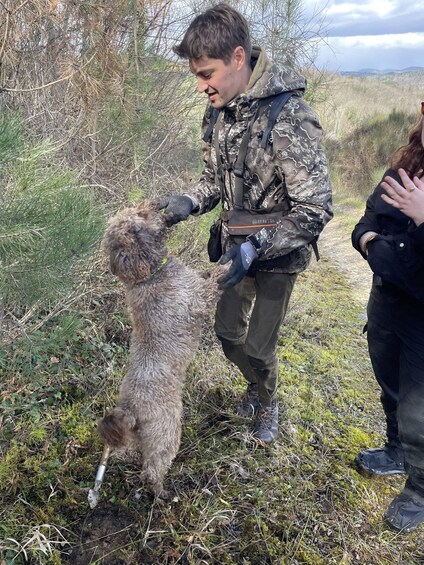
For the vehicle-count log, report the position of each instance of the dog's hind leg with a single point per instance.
(160, 441)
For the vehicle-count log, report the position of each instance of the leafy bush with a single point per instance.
(48, 223)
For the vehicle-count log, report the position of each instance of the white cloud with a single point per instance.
(380, 8)
(378, 34)
(337, 9)
(394, 51)
(389, 41)
(368, 17)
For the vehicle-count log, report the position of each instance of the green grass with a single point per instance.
(299, 501)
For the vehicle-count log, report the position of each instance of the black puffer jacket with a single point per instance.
(397, 253)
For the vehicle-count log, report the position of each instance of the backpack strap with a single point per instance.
(212, 121)
(219, 173)
(277, 103)
(238, 167)
(276, 106)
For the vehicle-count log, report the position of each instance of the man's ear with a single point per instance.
(239, 55)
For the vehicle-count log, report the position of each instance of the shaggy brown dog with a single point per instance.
(167, 302)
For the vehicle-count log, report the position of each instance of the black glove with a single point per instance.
(176, 208)
(242, 256)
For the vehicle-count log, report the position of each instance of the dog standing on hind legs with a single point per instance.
(167, 303)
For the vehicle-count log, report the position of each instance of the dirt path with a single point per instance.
(335, 246)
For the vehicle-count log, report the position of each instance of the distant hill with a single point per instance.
(375, 72)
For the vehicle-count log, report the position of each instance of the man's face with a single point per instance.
(220, 81)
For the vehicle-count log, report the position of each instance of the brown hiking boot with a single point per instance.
(266, 425)
(249, 404)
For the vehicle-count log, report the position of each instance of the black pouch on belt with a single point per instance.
(214, 243)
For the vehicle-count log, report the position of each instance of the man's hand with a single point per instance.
(176, 208)
(241, 256)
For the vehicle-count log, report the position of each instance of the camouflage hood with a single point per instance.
(269, 79)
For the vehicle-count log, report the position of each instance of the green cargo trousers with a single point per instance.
(247, 322)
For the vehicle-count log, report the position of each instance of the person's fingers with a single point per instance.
(407, 182)
(170, 220)
(223, 281)
(390, 201)
(396, 191)
(391, 185)
(391, 190)
(419, 182)
(224, 259)
(228, 256)
(230, 274)
(228, 282)
(225, 276)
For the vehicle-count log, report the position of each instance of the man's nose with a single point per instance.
(202, 85)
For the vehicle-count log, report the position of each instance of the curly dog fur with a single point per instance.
(167, 302)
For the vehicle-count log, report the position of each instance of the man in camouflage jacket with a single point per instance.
(289, 175)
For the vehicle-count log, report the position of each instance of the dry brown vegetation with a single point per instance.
(365, 120)
(91, 77)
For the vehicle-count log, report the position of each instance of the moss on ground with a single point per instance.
(299, 501)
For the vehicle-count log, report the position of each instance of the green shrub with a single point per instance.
(48, 223)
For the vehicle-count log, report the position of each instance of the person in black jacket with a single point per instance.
(390, 236)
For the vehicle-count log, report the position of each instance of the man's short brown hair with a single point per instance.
(215, 34)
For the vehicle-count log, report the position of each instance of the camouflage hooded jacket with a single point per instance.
(290, 172)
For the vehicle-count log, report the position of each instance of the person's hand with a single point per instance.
(241, 256)
(409, 200)
(176, 208)
(365, 239)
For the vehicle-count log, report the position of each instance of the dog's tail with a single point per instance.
(115, 428)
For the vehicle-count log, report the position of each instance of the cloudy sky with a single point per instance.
(379, 34)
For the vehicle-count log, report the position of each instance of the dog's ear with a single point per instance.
(149, 210)
(143, 208)
(154, 205)
(146, 207)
